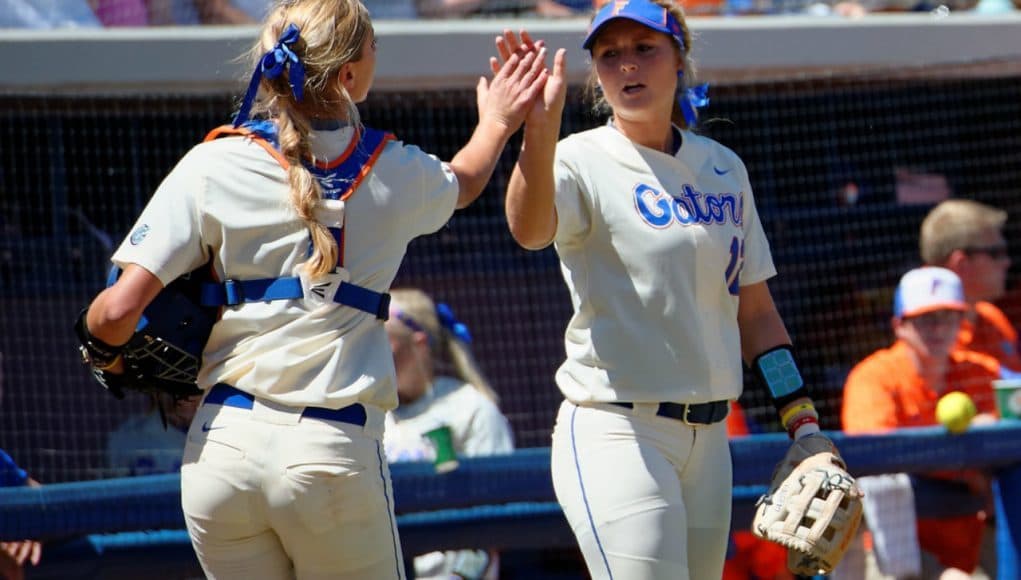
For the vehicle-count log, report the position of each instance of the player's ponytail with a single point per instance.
(305, 191)
(685, 113)
(302, 47)
(449, 338)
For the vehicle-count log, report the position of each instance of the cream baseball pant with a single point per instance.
(270, 494)
(647, 497)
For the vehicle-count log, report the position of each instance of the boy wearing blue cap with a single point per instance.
(666, 261)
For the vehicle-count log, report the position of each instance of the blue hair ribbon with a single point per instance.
(272, 65)
(692, 99)
(452, 324)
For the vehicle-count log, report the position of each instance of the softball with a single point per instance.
(955, 411)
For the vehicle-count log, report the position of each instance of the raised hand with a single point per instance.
(515, 86)
(509, 44)
(548, 108)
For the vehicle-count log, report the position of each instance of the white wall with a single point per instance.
(454, 53)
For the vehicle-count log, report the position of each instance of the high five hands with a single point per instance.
(548, 103)
(515, 86)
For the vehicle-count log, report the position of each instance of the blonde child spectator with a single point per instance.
(423, 334)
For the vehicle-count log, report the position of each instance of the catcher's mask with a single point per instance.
(166, 349)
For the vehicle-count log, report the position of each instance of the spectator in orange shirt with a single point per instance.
(899, 386)
(967, 237)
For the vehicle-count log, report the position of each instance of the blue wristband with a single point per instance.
(779, 372)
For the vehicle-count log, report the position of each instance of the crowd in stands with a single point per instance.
(44, 14)
(120, 13)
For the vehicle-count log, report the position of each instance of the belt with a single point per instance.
(691, 414)
(228, 396)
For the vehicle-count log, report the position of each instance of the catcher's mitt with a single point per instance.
(163, 356)
(813, 507)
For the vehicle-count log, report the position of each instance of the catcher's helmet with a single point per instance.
(166, 350)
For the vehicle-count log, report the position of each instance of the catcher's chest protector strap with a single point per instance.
(338, 180)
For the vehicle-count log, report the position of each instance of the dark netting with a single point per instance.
(842, 168)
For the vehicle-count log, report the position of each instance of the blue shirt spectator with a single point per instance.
(14, 554)
(47, 14)
(10, 474)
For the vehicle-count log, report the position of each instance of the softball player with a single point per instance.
(304, 219)
(666, 262)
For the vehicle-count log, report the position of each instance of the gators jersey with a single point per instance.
(654, 249)
(229, 199)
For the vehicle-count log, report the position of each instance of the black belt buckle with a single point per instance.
(687, 411)
(709, 413)
(714, 412)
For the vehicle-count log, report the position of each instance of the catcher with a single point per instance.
(305, 215)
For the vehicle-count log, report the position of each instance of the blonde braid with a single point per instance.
(332, 33)
(305, 191)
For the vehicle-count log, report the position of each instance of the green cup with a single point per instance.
(1008, 398)
(443, 441)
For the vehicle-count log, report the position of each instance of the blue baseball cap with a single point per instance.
(644, 12)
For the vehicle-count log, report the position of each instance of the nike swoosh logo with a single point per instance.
(720, 171)
(206, 428)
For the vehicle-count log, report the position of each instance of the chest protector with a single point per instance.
(175, 327)
(338, 181)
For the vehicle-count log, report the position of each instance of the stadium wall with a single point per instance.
(451, 53)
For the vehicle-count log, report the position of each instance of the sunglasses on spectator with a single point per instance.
(995, 252)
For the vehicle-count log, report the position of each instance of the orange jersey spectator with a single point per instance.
(885, 391)
(966, 236)
(737, 424)
(899, 386)
(1010, 304)
(703, 7)
(991, 333)
(750, 557)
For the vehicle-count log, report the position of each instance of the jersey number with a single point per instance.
(733, 273)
